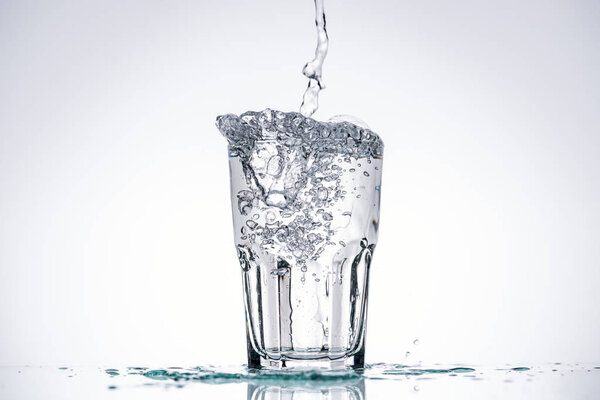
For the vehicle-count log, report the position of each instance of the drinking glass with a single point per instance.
(305, 199)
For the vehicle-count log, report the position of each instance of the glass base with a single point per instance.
(312, 362)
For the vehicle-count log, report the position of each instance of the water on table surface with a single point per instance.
(548, 381)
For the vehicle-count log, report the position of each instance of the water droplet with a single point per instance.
(462, 369)
(416, 342)
(416, 388)
(365, 173)
(327, 216)
(112, 371)
(270, 217)
(407, 354)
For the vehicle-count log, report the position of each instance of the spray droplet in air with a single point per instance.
(313, 69)
(416, 342)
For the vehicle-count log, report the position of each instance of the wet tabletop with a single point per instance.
(379, 381)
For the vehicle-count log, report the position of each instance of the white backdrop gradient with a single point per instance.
(115, 223)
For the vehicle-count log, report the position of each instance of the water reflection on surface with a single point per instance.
(354, 390)
(554, 380)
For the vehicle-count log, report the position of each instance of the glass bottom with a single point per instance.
(306, 361)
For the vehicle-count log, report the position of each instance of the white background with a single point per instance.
(115, 224)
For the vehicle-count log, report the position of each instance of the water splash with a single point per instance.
(577, 380)
(295, 187)
(313, 69)
(388, 371)
(222, 375)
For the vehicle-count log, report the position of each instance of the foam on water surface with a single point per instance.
(302, 180)
(294, 130)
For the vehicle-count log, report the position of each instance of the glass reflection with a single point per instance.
(347, 390)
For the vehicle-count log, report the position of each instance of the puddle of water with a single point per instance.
(377, 371)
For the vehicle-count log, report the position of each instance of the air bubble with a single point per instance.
(281, 271)
(251, 224)
(297, 183)
(322, 193)
(275, 166)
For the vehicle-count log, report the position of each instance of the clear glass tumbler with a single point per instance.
(305, 198)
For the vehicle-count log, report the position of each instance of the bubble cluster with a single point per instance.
(295, 130)
(298, 173)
